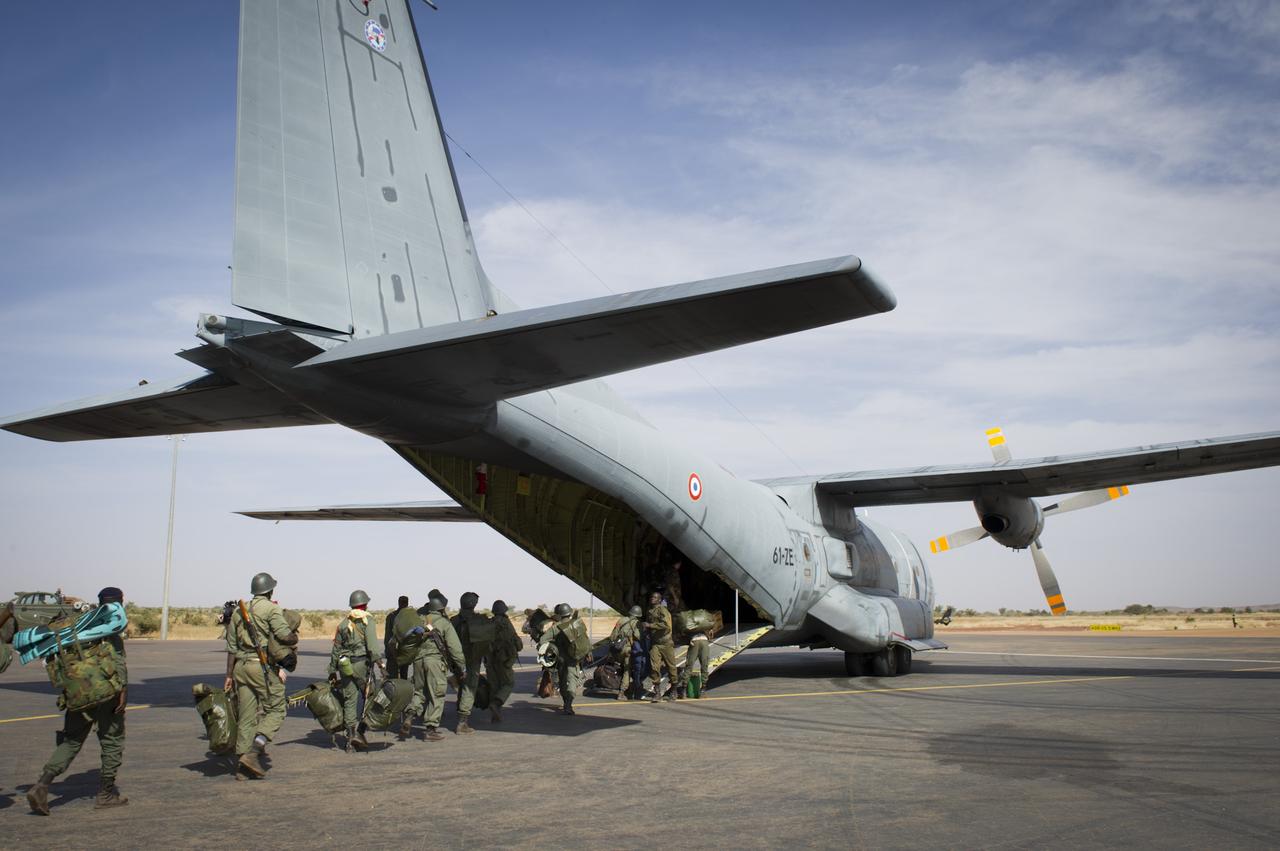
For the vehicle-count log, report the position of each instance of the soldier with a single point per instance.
(439, 652)
(356, 642)
(501, 665)
(475, 632)
(625, 633)
(389, 638)
(699, 654)
(663, 651)
(258, 683)
(567, 636)
(107, 716)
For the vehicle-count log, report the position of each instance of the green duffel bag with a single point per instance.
(385, 705)
(698, 620)
(323, 702)
(483, 693)
(407, 647)
(218, 712)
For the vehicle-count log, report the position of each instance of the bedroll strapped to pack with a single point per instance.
(218, 712)
(86, 674)
(385, 705)
(698, 620)
(323, 703)
(99, 622)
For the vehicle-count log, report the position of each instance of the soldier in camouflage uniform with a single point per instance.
(355, 639)
(568, 663)
(625, 633)
(431, 667)
(501, 664)
(107, 716)
(475, 634)
(663, 651)
(259, 691)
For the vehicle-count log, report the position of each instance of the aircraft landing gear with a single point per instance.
(889, 662)
(855, 664)
(885, 663)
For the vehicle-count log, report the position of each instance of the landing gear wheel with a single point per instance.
(885, 663)
(855, 664)
(904, 659)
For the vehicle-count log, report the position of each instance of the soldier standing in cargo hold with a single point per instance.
(501, 665)
(259, 688)
(355, 644)
(663, 652)
(107, 659)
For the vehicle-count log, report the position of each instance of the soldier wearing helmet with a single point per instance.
(476, 633)
(501, 664)
(663, 649)
(569, 638)
(353, 655)
(427, 641)
(625, 633)
(259, 687)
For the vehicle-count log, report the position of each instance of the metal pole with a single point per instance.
(591, 618)
(737, 632)
(168, 544)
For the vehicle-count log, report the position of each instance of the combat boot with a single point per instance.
(406, 729)
(495, 713)
(350, 735)
(463, 727)
(359, 741)
(38, 795)
(431, 734)
(250, 765)
(568, 709)
(108, 795)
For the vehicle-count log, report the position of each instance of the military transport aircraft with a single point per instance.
(352, 241)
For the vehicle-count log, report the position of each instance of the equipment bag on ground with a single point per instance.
(218, 712)
(323, 703)
(607, 676)
(483, 693)
(386, 703)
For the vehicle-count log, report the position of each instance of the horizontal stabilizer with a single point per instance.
(207, 403)
(1028, 477)
(478, 362)
(439, 511)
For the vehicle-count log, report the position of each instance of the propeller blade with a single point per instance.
(1049, 582)
(1087, 499)
(957, 539)
(999, 449)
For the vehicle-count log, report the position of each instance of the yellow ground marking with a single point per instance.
(888, 690)
(131, 706)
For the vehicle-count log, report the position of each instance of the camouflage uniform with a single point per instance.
(663, 651)
(356, 640)
(502, 660)
(625, 632)
(259, 695)
(475, 653)
(568, 665)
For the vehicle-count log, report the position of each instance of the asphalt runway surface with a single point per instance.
(1004, 741)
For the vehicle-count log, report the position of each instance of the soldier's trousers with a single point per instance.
(569, 679)
(699, 654)
(624, 668)
(660, 655)
(467, 688)
(502, 679)
(351, 690)
(260, 705)
(75, 729)
(430, 682)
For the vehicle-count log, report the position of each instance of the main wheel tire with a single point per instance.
(855, 664)
(885, 663)
(904, 659)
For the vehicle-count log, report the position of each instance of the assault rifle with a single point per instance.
(438, 640)
(253, 636)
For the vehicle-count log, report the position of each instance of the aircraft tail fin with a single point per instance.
(347, 210)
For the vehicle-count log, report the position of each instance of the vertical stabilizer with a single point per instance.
(347, 212)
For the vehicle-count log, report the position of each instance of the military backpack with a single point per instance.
(218, 712)
(86, 674)
(386, 704)
(576, 640)
(475, 628)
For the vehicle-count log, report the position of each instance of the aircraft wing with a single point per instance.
(206, 403)
(1056, 474)
(440, 511)
(480, 361)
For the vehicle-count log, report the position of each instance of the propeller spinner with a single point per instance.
(1016, 522)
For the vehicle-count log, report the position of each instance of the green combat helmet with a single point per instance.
(636, 612)
(434, 594)
(499, 607)
(263, 583)
(469, 600)
(436, 604)
(563, 610)
(358, 598)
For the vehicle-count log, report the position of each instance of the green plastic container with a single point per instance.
(693, 688)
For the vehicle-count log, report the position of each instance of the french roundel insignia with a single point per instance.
(695, 487)
(375, 35)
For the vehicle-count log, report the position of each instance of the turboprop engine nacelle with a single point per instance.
(1014, 521)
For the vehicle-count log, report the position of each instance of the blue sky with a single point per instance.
(1076, 204)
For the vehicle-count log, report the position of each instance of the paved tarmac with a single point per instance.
(1004, 741)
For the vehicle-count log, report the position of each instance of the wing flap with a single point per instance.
(439, 511)
(478, 362)
(203, 404)
(1053, 475)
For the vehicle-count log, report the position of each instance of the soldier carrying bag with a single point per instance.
(85, 674)
(323, 703)
(218, 711)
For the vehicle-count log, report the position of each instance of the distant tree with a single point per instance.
(1226, 610)
(1138, 609)
(1248, 610)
